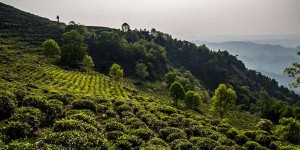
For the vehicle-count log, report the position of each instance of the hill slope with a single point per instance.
(271, 60)
(44, 106)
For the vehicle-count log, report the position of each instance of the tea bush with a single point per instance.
(73, 140)
(181, 144)
(69, 125)
(203, 143)
(7, 107)
(84, 104)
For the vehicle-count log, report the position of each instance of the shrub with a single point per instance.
(102, 108)
(20, 94)
(35, 101)
(225, 141)
(264, 124)
(263, 139)
(222, 147)
(288, 148)
(15, 130)
(85, 118)
(20, 145)
(156, 143)
(84, 104)
(54, 110)
(7, 107)
(135, 123)
(30, 115)
(241, 139)
(165, 132)
(231, 133)
(181, 144)
(276, 144)
(288, 130)
(128, 142)
(113, 135)
(74, 140)
(168, 110)
(143, 133)
(84, 111)
(123, 107)
(250, 134)
(174, 136)
(251, 145)
(114, 126)
(69, 124)
(203, 143)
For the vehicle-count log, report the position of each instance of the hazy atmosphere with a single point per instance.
(189, 20)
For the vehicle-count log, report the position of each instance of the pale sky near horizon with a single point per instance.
(185, 19)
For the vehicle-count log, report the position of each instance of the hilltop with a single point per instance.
(45, 104)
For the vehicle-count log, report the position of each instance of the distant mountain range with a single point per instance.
(270, 60)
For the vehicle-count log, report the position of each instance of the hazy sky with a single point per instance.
(185, 19)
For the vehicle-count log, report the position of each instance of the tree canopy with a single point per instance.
(177, 92)
(74, 48)
(51, 48)
(224, 99)
(141, 71)
(116, 72)
(192, 99)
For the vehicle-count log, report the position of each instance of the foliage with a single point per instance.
(224, 99)
(268, 107)
(192, 99)
(73, 140)
(88, 63)
(70, 124)
(73, 49)
(184, 77)
(51, 48)
(288, 130)
(141, 71)
(84, 104)
(116, 72)
(156, 143)
(177, 92)
(30, 115)
(7, 106)
(16, 130)
(265, 125)
(294, 72)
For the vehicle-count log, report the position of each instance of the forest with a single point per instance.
(72, 86)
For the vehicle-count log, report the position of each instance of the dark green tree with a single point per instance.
(51, 48)
(116, 72)
(268, 107)
(177, 92)
(192, 99)
(74, 49)
(288, 130)
(141, 71)
(223, 100)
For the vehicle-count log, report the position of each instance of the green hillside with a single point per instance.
(45, 104)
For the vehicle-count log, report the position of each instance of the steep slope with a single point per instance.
(26, 26)
(91, 111)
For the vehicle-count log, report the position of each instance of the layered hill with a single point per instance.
(44, 106)
(271, 60)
